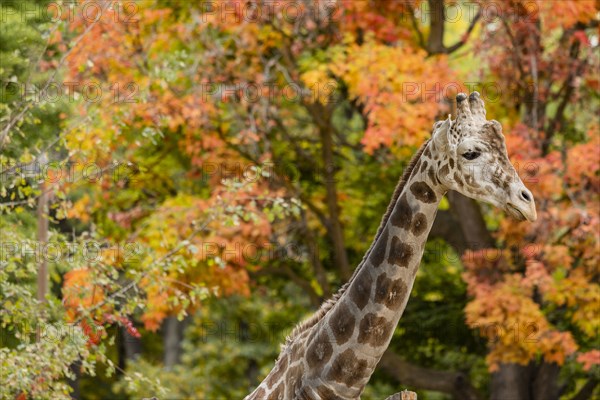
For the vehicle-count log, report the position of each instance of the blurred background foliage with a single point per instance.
(191, 179)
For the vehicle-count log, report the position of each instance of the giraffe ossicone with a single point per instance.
(332, 354)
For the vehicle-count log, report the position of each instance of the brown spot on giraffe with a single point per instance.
(451, 161)
(320, 350)
(297, 351)
(423, 192)
(378, 252)
(400, 253)
(444, 171)
(390, 293)
(347, 368)
(458, 179)
(419, 224)
(470, 180)
(277, 393)
(424, 166)
(374, 330)
(402, 216)
(342, 324)
(326, 394)
(360, 291)
(278, 371)
(496, 180)
(283, 362)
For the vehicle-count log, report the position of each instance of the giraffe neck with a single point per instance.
(344, 347)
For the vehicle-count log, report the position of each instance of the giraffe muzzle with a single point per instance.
(522, 205)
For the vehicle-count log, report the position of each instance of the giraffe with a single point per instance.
(332, 354)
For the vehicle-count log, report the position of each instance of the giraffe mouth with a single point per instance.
(515, 212)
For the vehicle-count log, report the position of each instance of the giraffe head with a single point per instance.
(473, 160)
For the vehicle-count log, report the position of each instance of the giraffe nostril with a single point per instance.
(525, 196)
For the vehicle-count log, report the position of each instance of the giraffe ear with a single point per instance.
(441, 130)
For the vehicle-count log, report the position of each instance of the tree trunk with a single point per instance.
(42, 236)
(129, 347)
(472, 224)
(42, 240)
(323, 119)
(74, 383)
(545, 384)
(435, 43)
(173, 330)
(444, 227)
(512, 382)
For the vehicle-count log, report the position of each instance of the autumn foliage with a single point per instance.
(240, 149)
(205, 111)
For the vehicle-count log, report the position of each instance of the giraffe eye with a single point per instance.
(471, 155)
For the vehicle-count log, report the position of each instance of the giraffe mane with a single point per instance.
(328, 305)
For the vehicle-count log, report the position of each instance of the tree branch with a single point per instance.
(149, 269)
(455, 383)
(567, 91)
(465, 36)
(28, 104)
(415, 25)
(586, 392)
(515, 52)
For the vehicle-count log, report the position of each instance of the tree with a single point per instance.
(539, 261)
(230, 161)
